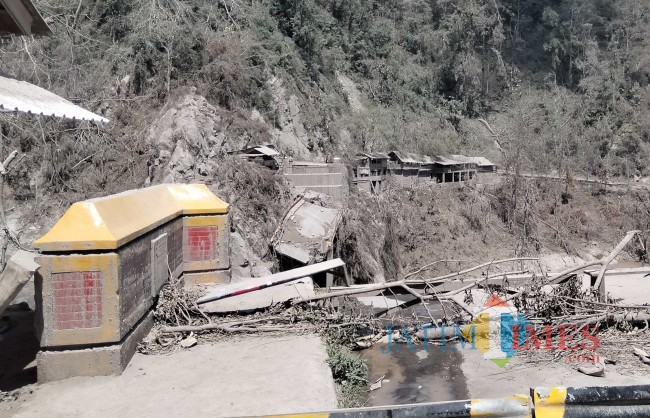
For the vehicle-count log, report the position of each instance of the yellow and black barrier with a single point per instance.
(592, 402)
(553, 402)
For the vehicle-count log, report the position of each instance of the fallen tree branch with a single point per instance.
(622, 317)
(561, 276)
(613, 305)
(404, 284)
(478, 282)
(426, 266)
(471, 269)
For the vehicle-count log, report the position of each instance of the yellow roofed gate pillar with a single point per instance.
(103, 264)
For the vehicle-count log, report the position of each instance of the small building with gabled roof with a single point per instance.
(265, 155)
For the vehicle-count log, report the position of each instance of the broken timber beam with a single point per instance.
(272, 280)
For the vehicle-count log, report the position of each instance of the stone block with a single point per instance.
(207, 277)
(97, 361)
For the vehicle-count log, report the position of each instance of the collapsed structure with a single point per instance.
(103, 264)
(306, 234)
(371, 170)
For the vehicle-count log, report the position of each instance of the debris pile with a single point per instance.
(357, 315)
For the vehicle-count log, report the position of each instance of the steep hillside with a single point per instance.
(547, 86)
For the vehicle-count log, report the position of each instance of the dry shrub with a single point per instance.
(258, 198)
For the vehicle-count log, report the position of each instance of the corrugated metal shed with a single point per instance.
(20, 96)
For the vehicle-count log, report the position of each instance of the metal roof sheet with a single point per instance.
(480, 161)
(21, 96)
(263, 149)
(268, 150)
(483, 162)
(411, 158)
(373, 155)
(441, 160)
(405, 158)
(456, 159)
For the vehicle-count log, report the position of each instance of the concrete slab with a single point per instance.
(253, 284)
(19, 270)
(246, 377)
(628, 289)
(262, 298)
(299, 254)
(627, 286)
(379, 302)
(26, 295)
(307, 231)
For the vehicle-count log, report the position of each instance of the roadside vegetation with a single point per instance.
(563, 86)
(350, 374)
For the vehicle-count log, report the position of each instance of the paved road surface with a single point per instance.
(250, 376)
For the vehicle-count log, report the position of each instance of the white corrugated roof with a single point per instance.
(372, 155)
(268, 150)
(21, 96)
(480, 161)
(263, 149)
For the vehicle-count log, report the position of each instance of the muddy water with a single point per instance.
(415, 375)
